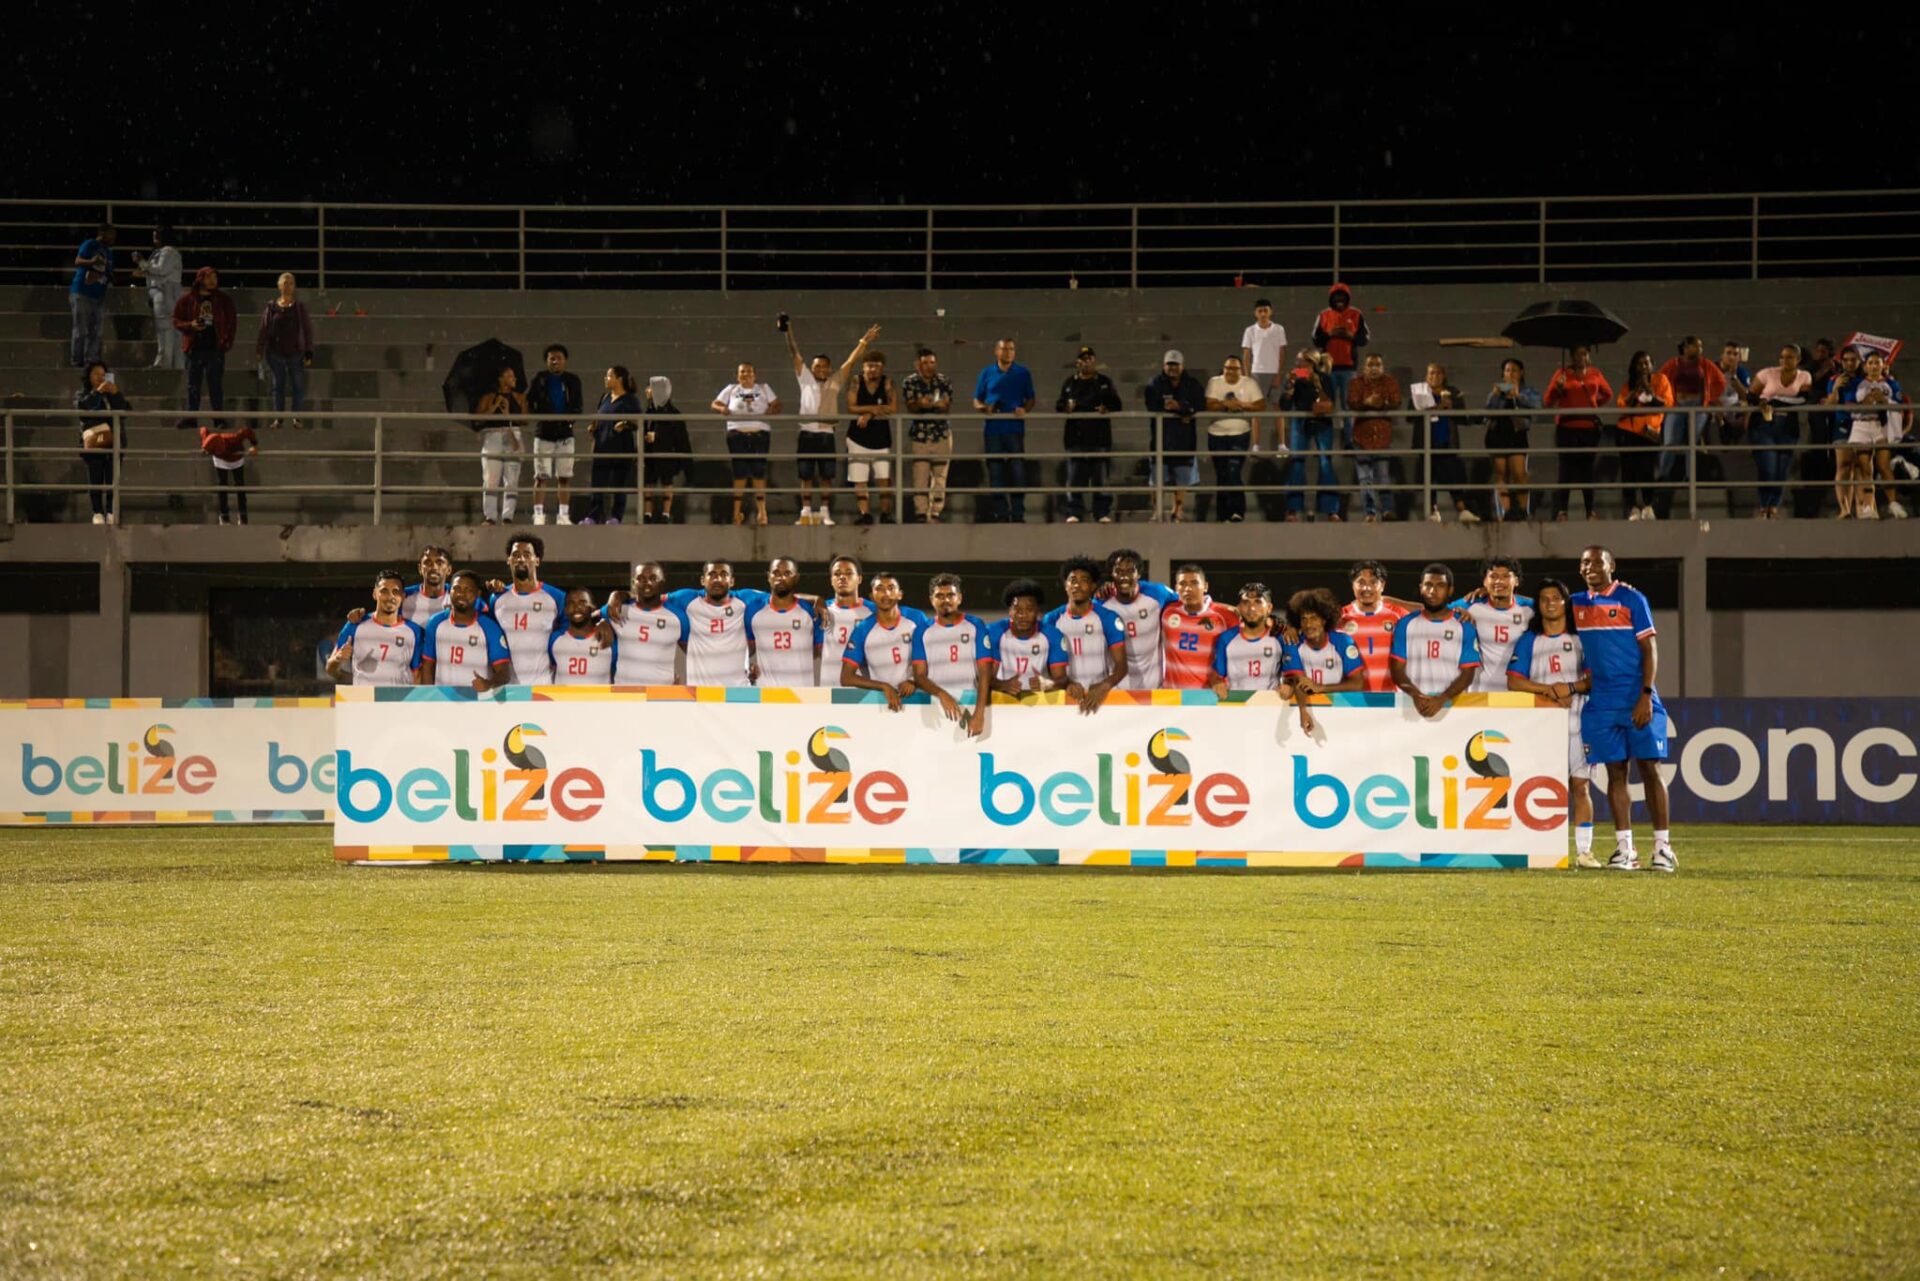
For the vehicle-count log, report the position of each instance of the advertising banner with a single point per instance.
(148, 760)
(1155, 779)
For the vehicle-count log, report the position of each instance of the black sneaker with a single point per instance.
(864, 518)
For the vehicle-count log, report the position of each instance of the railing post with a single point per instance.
(1133, 251)
(1426, 468)
(1336, 241)
(1543, 242)
(1158, 475)
(899, 451)
(9, 448)
(1754, 224)
(114, 513)
(1693, 468)
(929, 248)
(521, 256)
(320, 228)
(723, 251)
(639, 465)
(379, 466)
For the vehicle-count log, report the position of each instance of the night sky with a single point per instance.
(935, 102)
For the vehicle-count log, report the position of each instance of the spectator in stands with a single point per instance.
(1309, 394)
(1817, 463)
(161, 271)
(820, 385)
(229, 450)
(1228, 392)
(873, 402)
(1441, 440)
(1876, 426)
(1178, 394)
(1696, 381)
(285, 342)
(206, 320)
(668, 450)
(1341, 331)
(1576, 385)
(1729, 424)
(1371, 396)
(498, 418)
(1089, 437)
(554, 391)
(1005, 387)
(748, 439)
(1780, 391)
(927, 391)
(616, 420)
(1507, 437)
(1263, 354)
(87, 295)
(1636, 435)
(1838, 390)
(98, 397)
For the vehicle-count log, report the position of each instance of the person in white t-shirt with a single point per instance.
(1263, 355)
(1228, 438)
(748, 441)
(820, 384)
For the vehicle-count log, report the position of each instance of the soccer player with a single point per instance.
(1030, 657)
(1624, 721)
(783, 634)
(1251, 656)
(529, 611)
(1434, 653)
(1096, 643)
(463, 647)
(1190, 627)
(1322, 659)
(650, 631)
(839, 616)
(1370, 620)
(1137, 603)
(717, 621)
(428, 596)
(950, 656)
(1499, 618)
(384, 649)
(1549, 662)
(584, 652)
(880, 653)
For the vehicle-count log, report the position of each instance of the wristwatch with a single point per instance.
(1646, 689)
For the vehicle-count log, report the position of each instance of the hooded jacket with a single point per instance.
(1338, 314)
(218, 337)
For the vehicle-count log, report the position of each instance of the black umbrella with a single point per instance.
(476, 372)
(1565, 323)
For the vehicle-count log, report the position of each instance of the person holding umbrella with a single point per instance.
(498, 418)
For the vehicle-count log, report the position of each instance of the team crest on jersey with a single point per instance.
(1349, 627)
(538, 604)
(473, 638)
(797, 624)
(966, 637)
(729, 611)
(1516, 618)
(1447, 635)
(1206, 624)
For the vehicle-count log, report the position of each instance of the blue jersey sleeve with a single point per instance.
(1640, 613)
(1051, 619)
(1056, 647)
(856, 651)
(1521, 664)
(1159, 593)
(1350, 660)
(982, 651)
(496, 642)
(1469, 645)
(1115, 633)
(1399, 649)
(918, 652)
(678, 601)
(1220, 648)
(346, 634)
(419, 646)
(430, 641)
(552, 639)
(1291, 663)
(559, 599)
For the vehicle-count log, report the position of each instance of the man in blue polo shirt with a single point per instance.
(87, 295)
(1005, 387)
(1624, 720)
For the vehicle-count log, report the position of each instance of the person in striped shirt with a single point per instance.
(383, 649)
(1370, 620)
(1549, 662)
(1095, 642)
(529, 611)
(950, 656)
(583, 652)
(1322, 659)
(463, 647)
(1500, 616)
(1252, 656)
(1190, 627)
(880, 653)
(783, 634)
(1031, 659)
(1435, 653)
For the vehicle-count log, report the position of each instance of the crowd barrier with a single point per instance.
(138, 761)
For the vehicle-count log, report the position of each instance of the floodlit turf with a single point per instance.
(220, 1052)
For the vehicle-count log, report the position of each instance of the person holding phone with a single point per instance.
(99, 396)
(1507, 440)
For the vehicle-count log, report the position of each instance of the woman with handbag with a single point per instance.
(98, 397)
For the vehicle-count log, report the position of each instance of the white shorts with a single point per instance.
(1866, 433)
(864, 462)
(1577, 765)
(553, 458)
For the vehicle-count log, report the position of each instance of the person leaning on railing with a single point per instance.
(1371, 395)
(1637, 435)
(1088, 437)
(1441, 441)
(614, 449)
(1508, 438)
(98, 397)
(498, 419)
(1780, 391)
(1308, 393)
(1576, 385)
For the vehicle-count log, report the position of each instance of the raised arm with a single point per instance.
(854, 356)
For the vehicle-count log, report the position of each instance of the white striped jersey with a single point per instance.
(1435, 650)
(883, 653)
(417, 607)
(462, 651)
(1331, 663)
(952, 652)
(1249, 662)
(836, 632)
(1498, 630)
(717, 634)
(647, 643)
(1087, 638)
(1550, 660)
(786, 645)
(1140, 619)
(581, 660)
(1039, 651)
(383, 653)
(529, 620)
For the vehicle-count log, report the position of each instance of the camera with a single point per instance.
(782, 322)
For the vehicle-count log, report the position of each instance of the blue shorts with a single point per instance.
(1180, 473)
(1609, 735)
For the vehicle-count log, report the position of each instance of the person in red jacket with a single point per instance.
(1341, 331)
(230, 451)
(1695, 382)
(206, 320)
(1576, 385)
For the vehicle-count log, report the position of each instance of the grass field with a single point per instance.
(221, 1052)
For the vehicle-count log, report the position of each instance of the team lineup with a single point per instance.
(1591, 651)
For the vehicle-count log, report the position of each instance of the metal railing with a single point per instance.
(1539, 239)
(163, 472)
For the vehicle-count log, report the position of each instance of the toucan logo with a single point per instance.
(484, 794)
(1482, 760)
(830, 792)
(147, 766)
(1169, 796)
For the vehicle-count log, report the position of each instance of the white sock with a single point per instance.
(1583, 838)
(564, 511)
(1660, 838)
(1623, 839)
